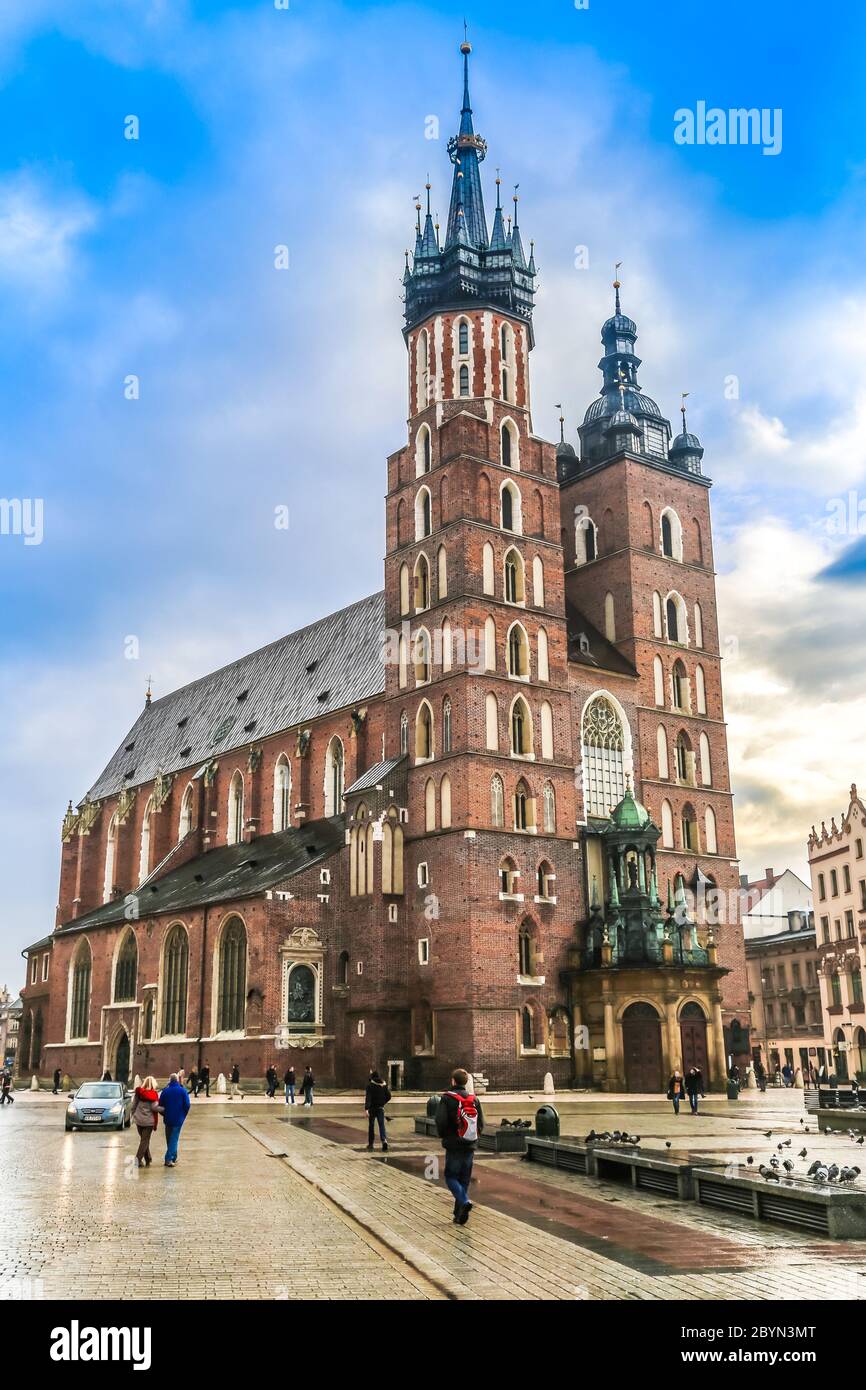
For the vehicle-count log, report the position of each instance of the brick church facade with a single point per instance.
(482, 817)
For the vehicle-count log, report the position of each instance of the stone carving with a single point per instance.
(302, 996)
(161, 788)
(125, 803)
(304, 938)
(70, 820)
(88, 811)
(254, 761)
(302, 747)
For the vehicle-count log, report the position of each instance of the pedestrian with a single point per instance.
(174, 1107)
(204, 1080)
(6, 1089)
(761, 1075)
(694, 1087)
(192, 1087)
(308, 1081)
(106, 1075)
(58, 1078)
(734, 1074)
(289, 1083)
(375, 1100)
(145, 1117)
(676, 1091)
(236, 1082)
(787, 1074)
(272, 1081)
(459, 1121)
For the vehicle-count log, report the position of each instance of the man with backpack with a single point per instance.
(459, 1121)
(375, 1100)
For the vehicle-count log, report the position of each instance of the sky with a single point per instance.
(164, 387)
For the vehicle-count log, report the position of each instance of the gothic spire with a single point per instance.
(466, 151)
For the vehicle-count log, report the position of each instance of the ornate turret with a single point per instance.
(687, 450)
(471, 268)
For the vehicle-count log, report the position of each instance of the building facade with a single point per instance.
(10, 1027)
(785, 998)
(483, 816)
(838, 871)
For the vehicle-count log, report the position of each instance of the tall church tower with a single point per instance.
(477, 683)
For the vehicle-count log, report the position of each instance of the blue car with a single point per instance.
(99, 1105)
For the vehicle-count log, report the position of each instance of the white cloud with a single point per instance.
(39, 232)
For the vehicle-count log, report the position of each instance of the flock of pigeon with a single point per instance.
(619, 1136)
(819, 1171)
(515, 1124)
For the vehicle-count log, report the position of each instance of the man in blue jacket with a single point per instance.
(174, 1107)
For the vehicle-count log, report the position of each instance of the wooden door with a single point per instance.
(642, 1051)
(693, 1034)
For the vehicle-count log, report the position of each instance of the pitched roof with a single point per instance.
(227, 874)
(375, 774)
(595, 651)
(326, 666)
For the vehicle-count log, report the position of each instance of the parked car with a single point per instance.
(99, 1105)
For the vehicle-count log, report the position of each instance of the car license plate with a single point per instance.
(91, 1118)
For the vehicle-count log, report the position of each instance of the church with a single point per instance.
(481, 817)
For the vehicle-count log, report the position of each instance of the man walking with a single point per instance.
(6, 1095)
(174, 1107)
(58, 1077)
(459, 1121)
(308, 1081)
(375, 1100)
(694, 1087)
(289, 1083)
(271, 1078)
(204, 1080)
(236, 1082)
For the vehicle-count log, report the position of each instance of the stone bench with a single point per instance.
(838, 1212)
(501, 1140)
(645, 1172)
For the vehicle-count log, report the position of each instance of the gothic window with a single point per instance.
(525, 950)
(546, 721)
(487, 581)
(79, 1012)
(680, 693)
(404, 589)
(524, 807)
(505, 434)
(521, 729)
(508, 876)
(489, 644)
(334, 764)
(236, 809)
(706, 764)
(422, 451)
(545, 881)
(609, 618)
(148, 1017)
(402, 662)
(675, 614)
(422, 514)
(447, 646)
(514, 577)
(343, 969)
(585, 537)
(603, 742)
(445, 802)
(464, 380)
(648, 531)
(358, 853)
(282, 794)
(446, 724)
(662, 749)
(697, 542)
(543, 656)
(423, 733)
(657, 615)
(689, 828)
(518, 651)
(463, 338)
(430, 805)
(126, 970)
(144, 848)
(497, 803)
(110, 858)
(175, 974)
(442, 572)
(699, 626)
(401, 522)
(548, 802)
(700, 690)
(511, 515)
(658, 681)
(232, 986)
(491, 713)
(685, 762)
(422, 584)
(710, 831)
(421, 656)
(672, 535)
(538, 582)
(527, 1033)
(186, 813)
(422, 369)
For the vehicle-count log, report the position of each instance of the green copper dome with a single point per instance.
(629, 814)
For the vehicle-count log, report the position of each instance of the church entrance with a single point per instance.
(642, 1048)
(693, 1036)
(121, 1061)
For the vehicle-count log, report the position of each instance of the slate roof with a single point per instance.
(600, 654)
(330, 664)
(228, 873)
(375, 774)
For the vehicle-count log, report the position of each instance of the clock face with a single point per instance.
(220, 730)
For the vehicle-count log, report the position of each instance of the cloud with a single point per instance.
(39, 233)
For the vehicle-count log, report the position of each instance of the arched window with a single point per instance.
(545, 880)
(491, 722)
(423, 369)
(658, 681)
(334, 766)
(538, 582)
(524, 807)
(697, 542)
(508, 876)
(515, 589)
(485, 499)
(421, 656)
(667, 825)
(672, 534)
(497, 802)
(464, 380)
(423, 523)
(36, 1045)
(187, 813)
(657, 615)
(546, 731)
(517, 647)
(710, 831)
(446, 724)
(548, 805)
(401, 522)
(677, 622)
(422, 583)
(526, 951)
(126, 969)
(662, 746)
(144, 849)
(404, 732)
(447, 646)
(706, 764)
(689, 826)
(510, 515)
(700, 690)
(528, 1033)
(402, 662)
(699, 626)
(487, 579)
(442, 572)
(232, 987)
(236, 809)
(422, 451)
(680, 693)
(506, 354)
(430, 804)
(509, 439)
(648, 531)
(343, 969)
(175, 974)
(79, 1004)
(543, 656)
(404, 589)
(423, 732)
(521, 729)
(463, 338)
(358, 853)
(282, 794)
(148, 1017)
(110, 859)
(445, 802)
(603, 743)
(585, 536)
(489, 644)
(685, 759)
(609, 618)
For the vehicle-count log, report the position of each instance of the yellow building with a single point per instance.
(837, 861)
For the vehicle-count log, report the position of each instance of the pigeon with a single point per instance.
(861, 1140)
(768, 1134)
(803, 1153)
(815, 1166)
(802, 1120)
(847, 1175)
(774, 1162)
(667, 1143)
(780, 1147)
(750, 1160)
(833, 1171)
(788, 1165)
(820, 1174)
(768, 1174)
(827, 1129)
(786, 1144)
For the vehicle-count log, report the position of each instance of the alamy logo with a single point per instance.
(738, 126)
(77, 1343)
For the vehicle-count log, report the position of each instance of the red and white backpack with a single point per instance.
(467, 1117)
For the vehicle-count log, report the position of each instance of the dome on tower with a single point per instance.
(620, 421)
(686, 446)
(629, 814)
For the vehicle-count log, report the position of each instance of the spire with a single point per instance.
(498, 241)
(531, 267)
(429, 244)
(617, 286)
(466, 151)
(516, 243)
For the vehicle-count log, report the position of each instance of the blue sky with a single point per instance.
(258, 388)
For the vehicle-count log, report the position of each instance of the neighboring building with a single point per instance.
(389, 839)
(766, 903)
(785, 996)
(34, 999)
(838, 868)
(10, 1019)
